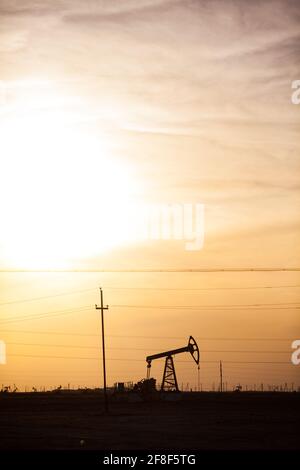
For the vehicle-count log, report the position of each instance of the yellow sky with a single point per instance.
(107, 107)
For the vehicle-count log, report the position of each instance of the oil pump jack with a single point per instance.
(169, 382)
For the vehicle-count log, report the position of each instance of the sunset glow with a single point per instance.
(110, 107)
(64, 191)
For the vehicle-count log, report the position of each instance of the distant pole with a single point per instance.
(102, 308)
(198, 377)
(221, 377)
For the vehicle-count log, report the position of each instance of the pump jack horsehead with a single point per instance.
(169, 382)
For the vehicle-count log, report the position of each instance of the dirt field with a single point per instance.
(197, 421)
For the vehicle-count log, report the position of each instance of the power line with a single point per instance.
(231, 368)
(201, 338)
(141, 360)
(200, 288)
(155, 270)
(208, 307)
(33, 299)
(52, 313)
(55, 313)
(209, 367)
(217, 306)
(145, 349)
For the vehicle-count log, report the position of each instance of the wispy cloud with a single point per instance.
(195, 93)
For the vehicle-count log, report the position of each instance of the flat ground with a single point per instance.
(197, 421)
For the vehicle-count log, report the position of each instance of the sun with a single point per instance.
(64, 196)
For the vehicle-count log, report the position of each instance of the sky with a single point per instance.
(108, 108)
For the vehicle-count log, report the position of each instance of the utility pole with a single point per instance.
(221, 377)
(102, 308)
